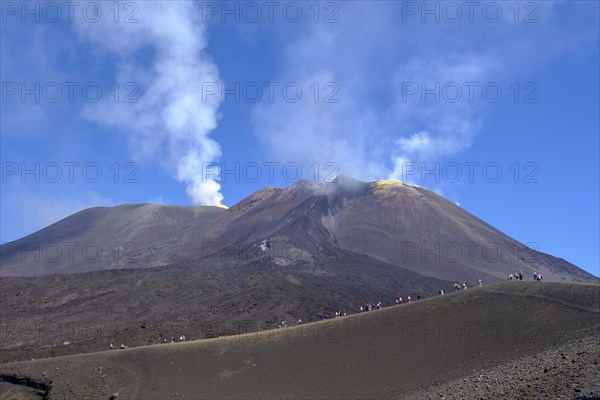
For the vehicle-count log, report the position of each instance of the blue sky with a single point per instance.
(388, 90)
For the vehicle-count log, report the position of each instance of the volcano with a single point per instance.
(138, 273)
(303, 226)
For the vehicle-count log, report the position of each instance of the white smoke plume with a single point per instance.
(163, 52)
(374, 131)
(370, 131)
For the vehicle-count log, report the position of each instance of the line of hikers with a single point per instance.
(379, 305)
(401, 300)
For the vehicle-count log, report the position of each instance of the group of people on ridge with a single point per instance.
(181, 339)
(371, 306)
(517, 276)
(464, 286)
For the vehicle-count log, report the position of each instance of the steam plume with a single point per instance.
(171, 116)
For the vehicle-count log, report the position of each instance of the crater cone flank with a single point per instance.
(407, 226)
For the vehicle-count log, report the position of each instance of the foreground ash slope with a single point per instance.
(304, 225)
(405, 351)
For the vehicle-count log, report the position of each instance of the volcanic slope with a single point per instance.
(390, 353)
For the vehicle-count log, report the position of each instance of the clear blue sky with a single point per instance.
(388, 90)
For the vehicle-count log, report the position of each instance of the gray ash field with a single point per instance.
(396, 352)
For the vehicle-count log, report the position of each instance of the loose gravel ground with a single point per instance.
(570, 371)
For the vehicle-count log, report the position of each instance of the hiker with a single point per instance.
(535, 275)
(400, 298)
(378, 305)
(510, 277)
(111, 346)
(122, 346)
(440, 292)
(539, 277)
(521, 275)
(456, 286)
(480, 282)
(409, 299)
(465, 285)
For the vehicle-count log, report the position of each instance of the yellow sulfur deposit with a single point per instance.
(385, 185)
